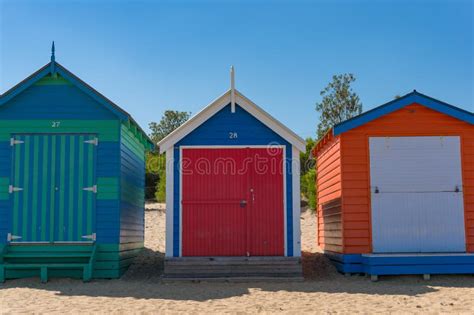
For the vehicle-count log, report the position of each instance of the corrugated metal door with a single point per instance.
(232, 202)
(53, 192)
(416, 192)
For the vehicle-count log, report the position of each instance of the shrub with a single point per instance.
(308, 187)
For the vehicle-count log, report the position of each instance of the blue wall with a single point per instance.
(108, 210)
(59, 101)
(215, 131)
(132, 184)
(62, 100)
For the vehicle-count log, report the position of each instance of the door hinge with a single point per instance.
(93, 189)
(13, 141)
(91, 237)
(11, 237)
(12, 189)
(94, 141)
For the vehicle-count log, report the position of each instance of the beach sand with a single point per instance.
(323, 291)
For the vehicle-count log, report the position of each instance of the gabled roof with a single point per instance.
(84, 87)
(220, 103)
(410, 98)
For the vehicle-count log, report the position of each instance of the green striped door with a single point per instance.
(53, 192)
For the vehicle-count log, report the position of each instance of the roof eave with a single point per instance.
(217, 105)
(410, 98)
(83, 86)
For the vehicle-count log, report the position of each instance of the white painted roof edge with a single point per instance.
(219, 103)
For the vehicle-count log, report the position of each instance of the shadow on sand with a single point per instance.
(143, 281)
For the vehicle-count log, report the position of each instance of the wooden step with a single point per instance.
(232, 267)
(234, 279)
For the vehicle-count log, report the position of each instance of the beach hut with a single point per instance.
(72, 177)
(395, 189)
(232, 193)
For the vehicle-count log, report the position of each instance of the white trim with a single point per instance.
(169, 202)
(285, 214)
(232, 146)
(220, 103)
(232, 90)
(295, 173)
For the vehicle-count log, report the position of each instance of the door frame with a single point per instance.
(94, 179)
(285, 212)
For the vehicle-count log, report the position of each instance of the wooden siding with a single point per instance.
(329, 193)
(132, 193)
(412, 120)
(62, 99)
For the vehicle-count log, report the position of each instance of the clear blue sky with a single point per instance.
(148, 56)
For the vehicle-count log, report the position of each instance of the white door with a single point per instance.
(416, 195)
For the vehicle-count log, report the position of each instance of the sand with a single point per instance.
(323, 291)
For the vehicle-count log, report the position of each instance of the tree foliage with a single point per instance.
(339, 102)
(156, 163)
(170, 120)
(308, 187)
(306, 162)
(308, 174)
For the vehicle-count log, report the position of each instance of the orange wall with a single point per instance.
(328, 181)
(412, 120)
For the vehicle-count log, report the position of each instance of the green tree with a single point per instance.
(339, 102)
(308, 174)
(306, 161)
(156, 163)
(170, 120)
(308, 181)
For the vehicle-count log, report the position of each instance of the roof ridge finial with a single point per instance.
(53, 60)
(52, 52)
(232, 89)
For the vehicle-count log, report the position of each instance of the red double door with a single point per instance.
(232, 202)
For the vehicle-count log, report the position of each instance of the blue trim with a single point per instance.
(413, 97)
(289, 203)
(20, 87)
(399, 264)
(176, 205)
(91, 92)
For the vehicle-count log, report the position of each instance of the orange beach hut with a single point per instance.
(395, 189)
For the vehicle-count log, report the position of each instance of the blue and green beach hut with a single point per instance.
(72, 171)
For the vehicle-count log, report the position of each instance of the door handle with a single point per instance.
(243, 203)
